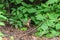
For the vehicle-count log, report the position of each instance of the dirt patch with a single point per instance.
(21, 35)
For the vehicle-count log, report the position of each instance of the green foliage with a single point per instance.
(58, 26)
(1, 34)
(2, 18)
(2, 24)
(31, 0)
(20, 12)
(23, 28)
(51, 2)
(2, 13)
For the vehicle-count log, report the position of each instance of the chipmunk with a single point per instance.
(30, 23)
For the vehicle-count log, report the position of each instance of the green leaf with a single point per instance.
(50, 15)
(31, 0)
(1, 5)
(3, 18)
(2, 24)
(52, 34)
(37, 34)
(44, 27)
(58, 6)
(23, 28)
(40, 17)
(24, 10)
(2, 12)
(13, 12)
(19, 23)
(50, 23)
(12, 1)
(49, 35)
(21, 8)
(58, 26)
(18, 1)
(1, 34)
(41, 33)
(31, 10)
(51, 2)
(26, 5)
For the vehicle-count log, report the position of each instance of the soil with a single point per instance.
(21, 35)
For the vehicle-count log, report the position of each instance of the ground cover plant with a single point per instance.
(45, 15)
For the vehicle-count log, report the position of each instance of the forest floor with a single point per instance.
(15, 34)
